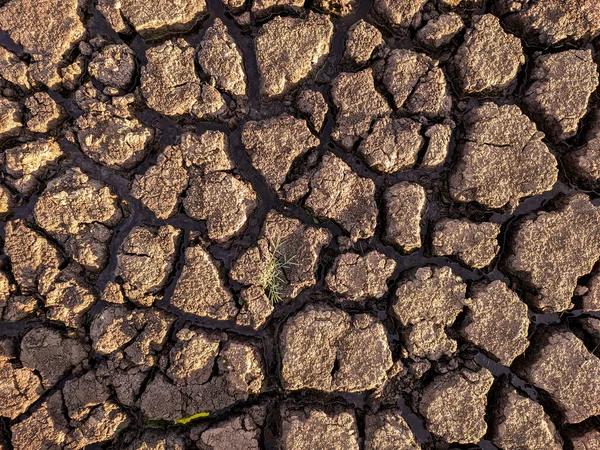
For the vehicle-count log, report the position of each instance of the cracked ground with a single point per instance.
(279, 225)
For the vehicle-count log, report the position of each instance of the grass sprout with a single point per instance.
(273, 278)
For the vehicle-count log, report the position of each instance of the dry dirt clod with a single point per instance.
(551, 250)
(290, 50)
(502, 158)
(399, 14)
(560, 364)
(312, 104)
(11, 116)
(43, 113)
(114, 66)
(362, 41)
(439, 32)
(19, 388)
(475, 244)
(312, 427)
(489, 59)
(242, 432)
(438, 146)
(454, 405)
(387, 430)
(404, 207)
(13, 70)
(560, 87)
(337, 193)
(263, 9)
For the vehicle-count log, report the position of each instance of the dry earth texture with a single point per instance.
(279, 225)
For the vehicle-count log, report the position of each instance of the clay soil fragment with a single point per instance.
(404, 207)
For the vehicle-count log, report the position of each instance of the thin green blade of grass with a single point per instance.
(273, 278)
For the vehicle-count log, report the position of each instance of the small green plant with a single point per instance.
(273, 278)
(186, 420)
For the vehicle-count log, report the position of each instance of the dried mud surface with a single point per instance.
(270, 224)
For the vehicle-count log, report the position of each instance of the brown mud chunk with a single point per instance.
(47, 30)
(274, 144)
(20, 307)
(475, 244)
(361, 41)
(7, 202)
(488, 61)
(338, 194)
(591, 297)
(224, 201)
(51, 354)
(169, 81)
(311, 427)
(440, 31)
(80, 211)
(221, 59)
(43, 113)
(289, 244)
(387, 430)
(109, 132)
(103, 424)
(28, 164)
(358, 278)
(417, 83)
(161, 185)
(338, 8)
(263, 9)
(536, 21)
(393, 145)
(561, 365)
(438, 146)
(358, 104)
(399, 14)
(560, 87)
(45, 429)
(242, 432)
(114, 66)
(404, 207)
(425, 304)
(153, 439)
(587, 440)
(551, 250)
(152, 20)
(290, 50)
(454, 405)
(34, 260)
(206, 373)
(312, 104)
(502, 158)
(145, 260)
(13, 70)
(325, 348)
(520, 423)
(11, 114)
(583, 164)
(256, 308)
(84, 393)
(496, 321)
(19, 388)
(200, 289)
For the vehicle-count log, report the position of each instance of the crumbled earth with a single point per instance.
(276, 224)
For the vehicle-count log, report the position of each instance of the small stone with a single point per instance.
(400, 14)
(221, 59)
(454, 405)
(404, 207)
(387, 430)
(489, 59)
(358, 278)
(502, 158)
(312, 427)
(145, 260)
(551, 250)
(560, 87)
(44, 114)
(337, 193)
(274, 144)
(200, 289)
(51, 354)
(155, 20)
(520, 423)
(438, 146)
(475, 244)
(290, 50)
(425, 304)
(497, 320)
(223, 201)
(358, 104)
(561, 365)
(361, 42)
(114, 66)
(288, 242)
(313, 105)
(11, 114)
(440, 31)
(393, 145)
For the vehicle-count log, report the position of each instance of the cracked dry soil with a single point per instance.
(271, 224)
